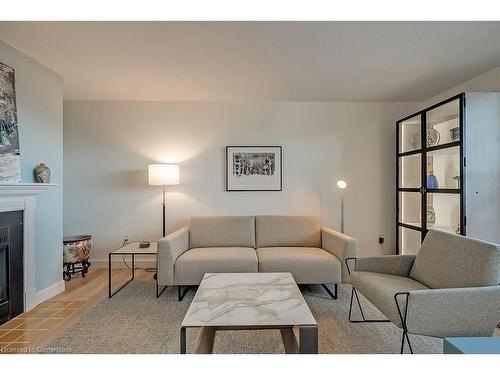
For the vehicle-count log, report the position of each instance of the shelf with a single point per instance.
(438, 191)
(409, 190)
(444, 228)
(443, 146)
(443, 191)
(414, 226)
(450, 117)
(24, 188)
(409, 153)
(26, 185)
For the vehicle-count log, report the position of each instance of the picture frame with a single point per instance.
(10, 162)
(254, 168)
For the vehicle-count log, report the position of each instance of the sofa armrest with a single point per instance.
(170, 248)
(398, 265)
(341, 246)
(454, 312)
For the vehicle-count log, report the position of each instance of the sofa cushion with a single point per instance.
(446, 260)
(220, 231)
(287, 231)
(191, 265)
(380, 288)
(308, 265)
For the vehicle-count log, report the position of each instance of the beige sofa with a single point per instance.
(296, 244)
(451, 288)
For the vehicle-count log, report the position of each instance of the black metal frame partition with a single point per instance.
(423, 190)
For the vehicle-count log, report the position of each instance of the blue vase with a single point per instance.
(432, 181)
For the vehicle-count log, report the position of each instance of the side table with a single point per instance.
(471, 345)
(131, 249)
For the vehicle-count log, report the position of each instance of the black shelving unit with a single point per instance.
(405, 154)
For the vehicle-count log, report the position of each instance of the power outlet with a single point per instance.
(381, 240)
(126, 238)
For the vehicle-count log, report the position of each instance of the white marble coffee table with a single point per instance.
(251, 301)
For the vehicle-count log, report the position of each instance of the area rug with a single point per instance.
(135, 321)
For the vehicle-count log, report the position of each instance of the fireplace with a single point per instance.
(11, 265)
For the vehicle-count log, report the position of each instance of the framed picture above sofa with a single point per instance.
(254, 168)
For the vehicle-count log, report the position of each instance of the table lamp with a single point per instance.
(341, 185)
(163, 175)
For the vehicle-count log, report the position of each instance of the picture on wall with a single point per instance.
(10, 164)
(253, 168)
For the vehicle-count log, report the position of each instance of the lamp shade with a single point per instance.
(163, 174)
(341, 184)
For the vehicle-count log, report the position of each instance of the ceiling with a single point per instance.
(261, 61)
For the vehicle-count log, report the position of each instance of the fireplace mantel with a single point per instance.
(23, 188)
(22, 197)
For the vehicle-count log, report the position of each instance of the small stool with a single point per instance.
(76, 255)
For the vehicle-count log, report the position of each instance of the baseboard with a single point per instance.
(142, 262)
(45, 294)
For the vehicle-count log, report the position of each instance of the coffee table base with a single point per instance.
(307, 344)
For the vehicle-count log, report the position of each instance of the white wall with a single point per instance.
(39, 96)
(109, 144)
(486, 82)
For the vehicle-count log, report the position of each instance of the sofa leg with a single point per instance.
(330, 293)
(354, 293)
(158, 292)
(181, 293)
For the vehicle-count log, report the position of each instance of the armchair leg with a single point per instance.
(354, 293)
(181, 293)
(403, 320)
(405, 336)
(330, 293)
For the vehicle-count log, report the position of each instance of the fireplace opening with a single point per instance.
(11, 265)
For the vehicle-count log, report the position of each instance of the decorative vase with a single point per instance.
(431, 215)
(42, 174)
(432, 182)
(455, 134)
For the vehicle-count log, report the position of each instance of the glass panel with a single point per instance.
(409, 171)
(443, 212)
(409, 241)
(409, 208)
(443, 168)
(3, 274)
(409, 134)
(443, 124)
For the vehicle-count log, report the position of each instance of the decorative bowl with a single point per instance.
(76, 248)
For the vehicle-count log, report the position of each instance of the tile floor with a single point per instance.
(20, 335)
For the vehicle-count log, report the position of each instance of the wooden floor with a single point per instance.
(31, 331)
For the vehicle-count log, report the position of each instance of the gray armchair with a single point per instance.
(451, 288)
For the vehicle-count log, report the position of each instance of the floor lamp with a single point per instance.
(342, 185)
(163, 175)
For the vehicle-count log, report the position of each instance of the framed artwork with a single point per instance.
(254, 168)
(10, 163)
